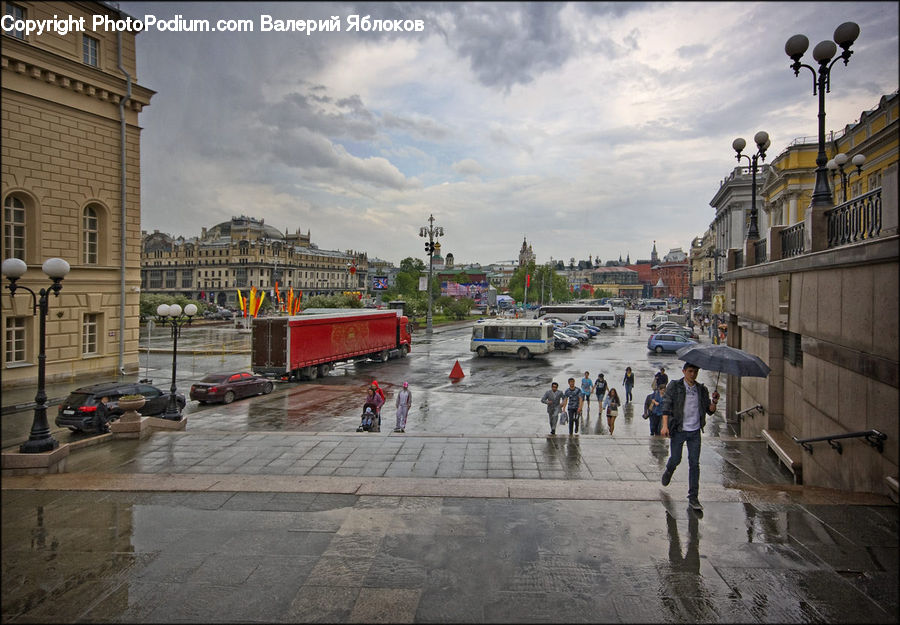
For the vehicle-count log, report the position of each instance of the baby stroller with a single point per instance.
(371, 420)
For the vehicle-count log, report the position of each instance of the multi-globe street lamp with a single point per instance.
(762, 141)
(840, 159)
(40, 439)
(172, 315)
(432, 232)
(796, 46)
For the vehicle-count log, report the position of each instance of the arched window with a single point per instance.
(90, 226)
(13, 228)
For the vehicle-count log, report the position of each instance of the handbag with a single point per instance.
(612, 412)
(563, 418)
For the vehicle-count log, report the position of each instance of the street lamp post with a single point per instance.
(796, 46)
(762, 141)
(171, 314)
(838, 163)
(40, 439)
(431, 232)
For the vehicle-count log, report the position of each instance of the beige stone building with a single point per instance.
(244, 252)
(818, 302)
(70, 190)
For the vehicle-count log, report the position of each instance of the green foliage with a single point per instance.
(331, 301)
(151, 301)
(459, 308)
(552, 282)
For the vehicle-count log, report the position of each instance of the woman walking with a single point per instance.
(612, 409)
(628, 381)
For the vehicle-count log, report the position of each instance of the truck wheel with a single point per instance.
(404, 350)
(229, 397)
(523, 353)
(384, 356)
(482, 351)
(321, 371)
(312, 372)
(267, 388)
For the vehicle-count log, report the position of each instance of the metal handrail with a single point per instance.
(873, 437)
(740, 415)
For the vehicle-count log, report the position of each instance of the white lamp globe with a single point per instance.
(174, 310)
(190, 310)
(162, 310)
(14, 268)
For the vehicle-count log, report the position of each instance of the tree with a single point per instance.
(459, 308)
(151, 301)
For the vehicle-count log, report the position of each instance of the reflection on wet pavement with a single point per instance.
(225, 556)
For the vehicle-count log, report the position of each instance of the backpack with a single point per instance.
(647, 401)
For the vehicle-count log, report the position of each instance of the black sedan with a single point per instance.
(226, 387)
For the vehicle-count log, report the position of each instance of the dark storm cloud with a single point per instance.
(508, 44)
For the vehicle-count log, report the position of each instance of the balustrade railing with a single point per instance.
(792, 240)
(856, 220)
(760, 251)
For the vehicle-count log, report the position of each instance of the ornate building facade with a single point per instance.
(244, 252)
(70, 189)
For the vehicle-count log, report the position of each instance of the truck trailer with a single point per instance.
(306, 346)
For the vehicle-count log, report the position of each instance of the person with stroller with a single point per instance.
(371, 420)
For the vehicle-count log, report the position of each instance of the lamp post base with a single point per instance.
(38, 445)
(171, 416)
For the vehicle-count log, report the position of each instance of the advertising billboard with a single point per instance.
(379, 283)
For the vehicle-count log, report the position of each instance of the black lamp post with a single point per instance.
(171, 314)
(796, 46)
(40, 439)
(838, 163)
(762, 141)
(431, 232)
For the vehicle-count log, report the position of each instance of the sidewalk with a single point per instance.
(215, 526)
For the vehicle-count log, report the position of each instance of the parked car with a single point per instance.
(580, 325)
(556, 321)
(226, 387)
(674, 327)
(666, 342)
(564, 341)
(578, 334)
(222, 313)
(77, 411)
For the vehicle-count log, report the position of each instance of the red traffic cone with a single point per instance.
(457, 372)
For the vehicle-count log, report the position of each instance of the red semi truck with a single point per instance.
(307, 346)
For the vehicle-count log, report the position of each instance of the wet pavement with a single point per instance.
(274, 509)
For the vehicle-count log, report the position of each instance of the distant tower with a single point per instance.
(654, 257)
(526, 254)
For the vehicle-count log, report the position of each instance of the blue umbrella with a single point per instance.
(724, 359)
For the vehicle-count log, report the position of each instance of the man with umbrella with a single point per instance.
(685, 406)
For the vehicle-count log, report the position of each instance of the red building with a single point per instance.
(675, 278)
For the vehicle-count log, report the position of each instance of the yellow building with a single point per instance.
(67, 190)
(789, 182)
(244, 252)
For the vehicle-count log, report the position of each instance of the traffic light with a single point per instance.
(429, 247)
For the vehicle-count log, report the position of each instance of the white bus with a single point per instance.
(569, 312)
(654, 304)
(522, 337)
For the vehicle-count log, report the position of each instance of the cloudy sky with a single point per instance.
(589, 128)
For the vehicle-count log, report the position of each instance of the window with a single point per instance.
(89, 334)
(171, 278)
(15, 340)
(791, 348)
(156, 279)
(13, 228)
(186, 278)
(90, 49)
(17, 13)
(90, 226)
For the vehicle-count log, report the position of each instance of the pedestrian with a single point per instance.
(684, 408)
(600, 388)
(377, 399)
(403, 403)
(370, 411)
(628, 381)
(612, 409)
(586, 387)
(656, 401)
(101, 416)
(572, 405)
(639, 321)
(553, 398)
(661, 378)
